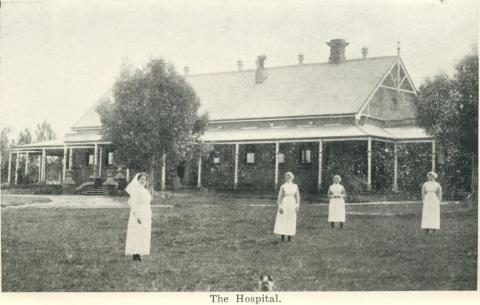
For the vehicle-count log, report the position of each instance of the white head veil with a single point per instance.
(134, 185)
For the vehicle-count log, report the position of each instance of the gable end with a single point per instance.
(394, 97)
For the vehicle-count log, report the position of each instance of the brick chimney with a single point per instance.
(240, 65)
(300, 59)
(260, 74)
(337, 50)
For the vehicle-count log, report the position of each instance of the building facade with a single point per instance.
(347, 117)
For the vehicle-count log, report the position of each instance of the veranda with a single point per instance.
(365, 164)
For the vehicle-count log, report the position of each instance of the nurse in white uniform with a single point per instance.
(140, 219)
(336, 206)
(288, 202)
(431, 196)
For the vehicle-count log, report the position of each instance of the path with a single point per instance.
(73, 202)
(108, 202)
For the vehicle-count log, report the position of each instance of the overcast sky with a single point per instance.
(58, 58)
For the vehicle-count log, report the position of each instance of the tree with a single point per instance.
(4, 150)
(466, 82)
(44, 132)
(4, 147)
(448, 109)
(154, 115)
(25, 137)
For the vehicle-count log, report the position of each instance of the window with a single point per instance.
(306, 156)
(281, 158)
(250, 157)
(395, 101)
(215, 157)
(250, 153)
(110, 158)
(90, 159)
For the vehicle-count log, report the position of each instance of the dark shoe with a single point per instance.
(341, 225)
(333, 224)
(283, 237)
(289, 238)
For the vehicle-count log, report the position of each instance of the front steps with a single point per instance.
(94, 191)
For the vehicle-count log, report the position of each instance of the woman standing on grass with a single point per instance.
(431, 196)
(336, 206)
(288, 202)
(140, 219)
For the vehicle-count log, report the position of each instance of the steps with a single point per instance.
(94, 191)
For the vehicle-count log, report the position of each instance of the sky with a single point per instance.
(59, 57)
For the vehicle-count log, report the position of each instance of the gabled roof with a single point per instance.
(299, 90)
(315, 89)
(91, 118)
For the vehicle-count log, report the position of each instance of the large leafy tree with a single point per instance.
(44, 132)
(448, 109)
(154, 116)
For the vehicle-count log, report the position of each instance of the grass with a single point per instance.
(210, 243)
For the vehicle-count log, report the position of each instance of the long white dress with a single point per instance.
(288, 200)
(139, 235)
(432, 194)
(336, 206)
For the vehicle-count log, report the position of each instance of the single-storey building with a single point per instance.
(347, 117)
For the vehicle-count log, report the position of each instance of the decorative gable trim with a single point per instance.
(407, 76)
(380, 84)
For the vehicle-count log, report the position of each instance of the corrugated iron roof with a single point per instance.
(315, 132)
(49, 143)
(289, 91)
(263, 134)
(408, 133)
(349, 131)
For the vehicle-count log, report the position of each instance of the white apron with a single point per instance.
(431, 206)
(336, 206)
(286, 222)
(139, 235)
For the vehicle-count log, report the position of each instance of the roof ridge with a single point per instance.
(289, 66)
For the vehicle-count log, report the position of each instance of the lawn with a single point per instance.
(214, 243)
